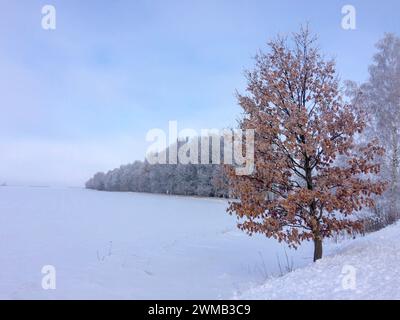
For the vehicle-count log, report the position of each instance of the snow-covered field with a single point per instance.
(141, 246)
(126, 245)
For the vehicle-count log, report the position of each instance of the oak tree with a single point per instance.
(299, 190)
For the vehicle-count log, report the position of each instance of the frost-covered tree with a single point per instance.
(380, 98)
(97, 182)
(299, 191)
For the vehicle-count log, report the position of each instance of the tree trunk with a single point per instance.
(393, 213)
(317, 248)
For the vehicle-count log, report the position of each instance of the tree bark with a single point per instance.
(317, 248)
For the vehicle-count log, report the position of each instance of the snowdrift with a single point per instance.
(364, 268)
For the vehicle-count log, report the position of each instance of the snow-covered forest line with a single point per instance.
(205, 180)
(200, 180)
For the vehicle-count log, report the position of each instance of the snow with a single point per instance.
(129, 246)
(142, 246)
(364, 268)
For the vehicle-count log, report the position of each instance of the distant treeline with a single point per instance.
(206, 180)
(196, 180)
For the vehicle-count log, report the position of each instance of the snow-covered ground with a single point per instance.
(364, 268)
(126, 245)
(141, 246)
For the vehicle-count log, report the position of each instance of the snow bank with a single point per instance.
(365, 268)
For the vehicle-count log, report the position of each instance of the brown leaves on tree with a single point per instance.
(310, 175)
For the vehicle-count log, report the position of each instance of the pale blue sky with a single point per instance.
(81, 98)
